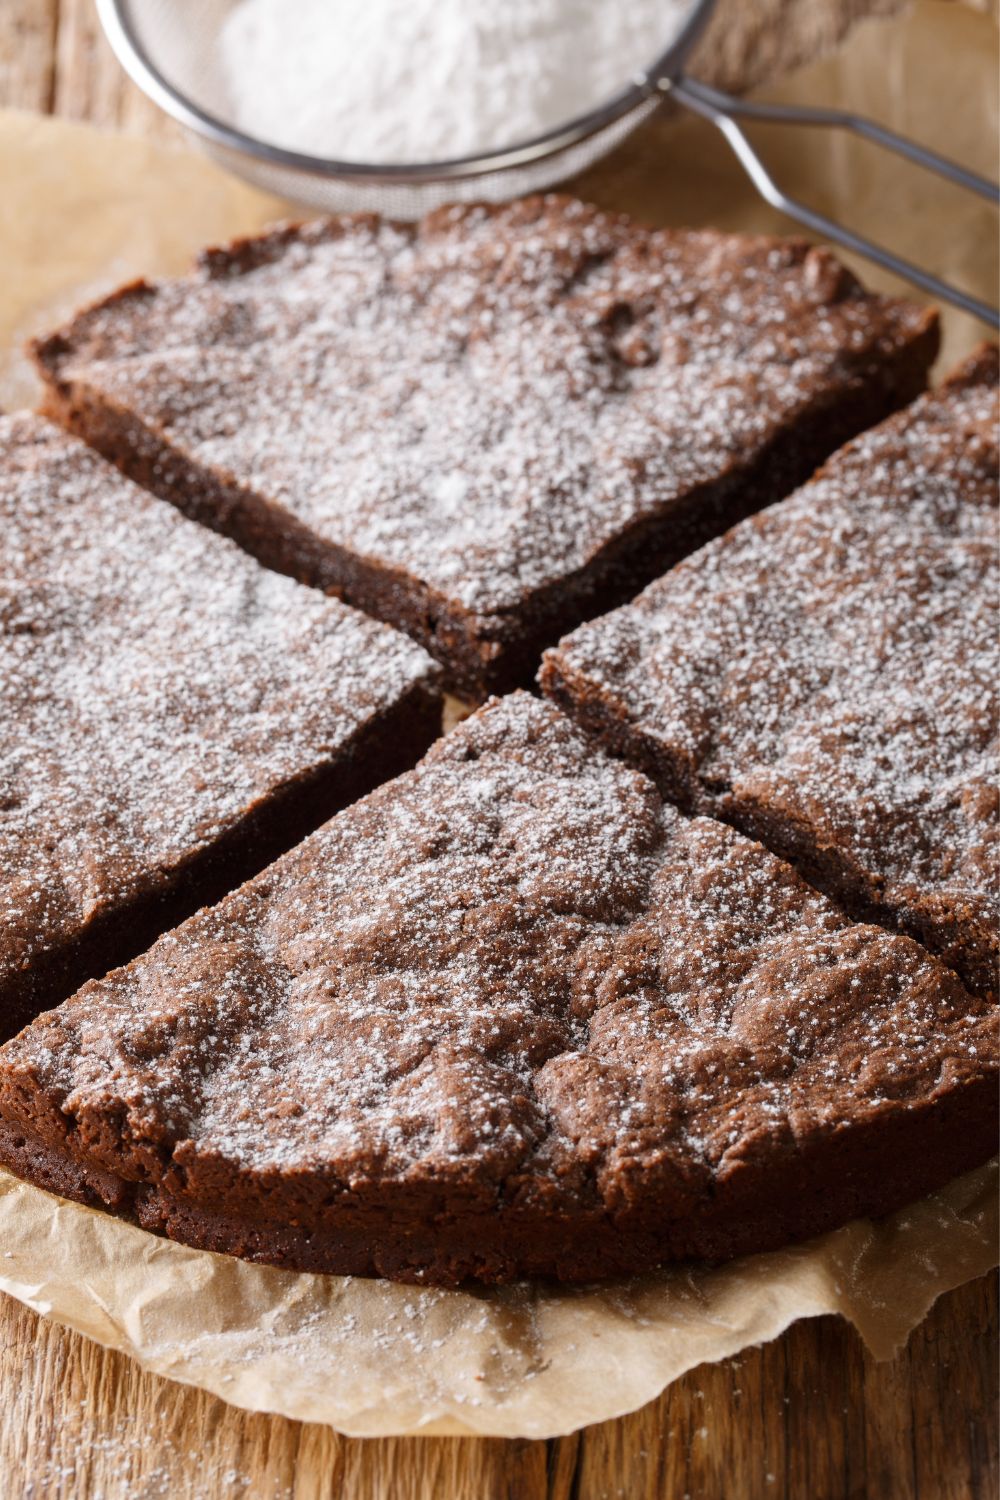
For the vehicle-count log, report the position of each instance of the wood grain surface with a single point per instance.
(808, 1417)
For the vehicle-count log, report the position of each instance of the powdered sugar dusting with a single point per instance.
(488, 401)
(394, 81)
(835, 659)
(513, 974)
(160, 682)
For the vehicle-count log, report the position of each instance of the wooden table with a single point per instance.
(808, 1417)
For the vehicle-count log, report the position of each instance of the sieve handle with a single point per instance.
(722, 110)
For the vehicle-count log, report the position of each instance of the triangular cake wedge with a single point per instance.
(172, 715)
(825, 675)
(510, 1015)
(494, 424)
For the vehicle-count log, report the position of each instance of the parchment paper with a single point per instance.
(80, 212)
(374, 1359)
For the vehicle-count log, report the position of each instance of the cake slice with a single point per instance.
(172, 715)
(824, 676)
(493, 425)
(510, 1015)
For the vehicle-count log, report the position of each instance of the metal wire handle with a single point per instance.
(525, 166)
(721, 109)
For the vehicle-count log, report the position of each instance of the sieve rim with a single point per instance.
(658, 78)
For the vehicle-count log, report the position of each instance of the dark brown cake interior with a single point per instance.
(824, 676)
(172, 715)
(510, 1015)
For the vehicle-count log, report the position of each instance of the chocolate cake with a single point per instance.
(509, 1015)
(172, 715)
(489, 427)
(824, 676)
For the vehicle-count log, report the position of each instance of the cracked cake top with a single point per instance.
(825, 673)
(156, 686)
(511, 988)
(482, 405)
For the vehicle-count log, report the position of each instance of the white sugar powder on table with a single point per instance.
(390, 81)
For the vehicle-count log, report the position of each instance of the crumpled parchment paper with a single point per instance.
(374, 1359)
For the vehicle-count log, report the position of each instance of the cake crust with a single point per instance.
(510, 1015)
(490, 426)
(824, 676)
(172, 715)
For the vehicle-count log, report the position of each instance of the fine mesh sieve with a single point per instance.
(169, 49)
